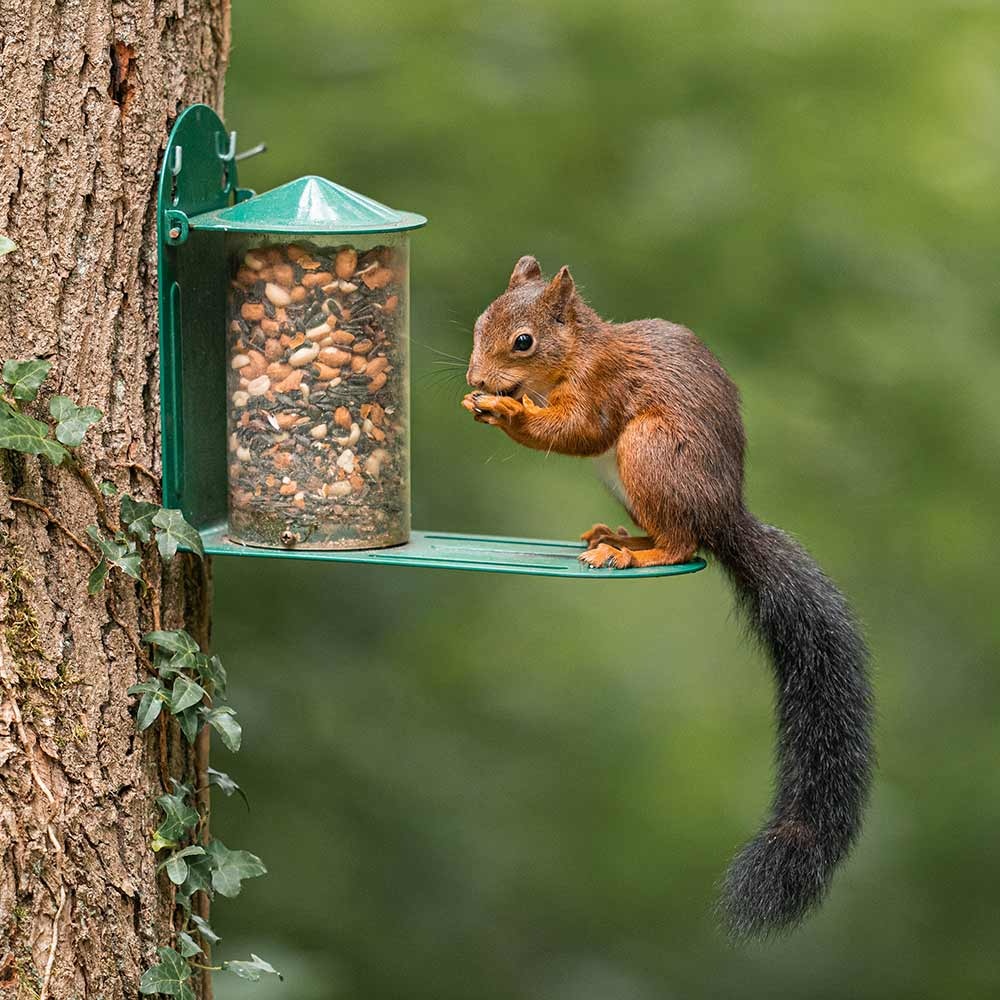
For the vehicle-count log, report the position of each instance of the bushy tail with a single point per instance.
(824, 709)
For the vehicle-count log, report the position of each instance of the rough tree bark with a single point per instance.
(89, 91)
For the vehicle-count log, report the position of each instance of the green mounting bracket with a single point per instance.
(194, 178)
(199, 176)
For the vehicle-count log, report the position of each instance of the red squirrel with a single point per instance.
(653, 401)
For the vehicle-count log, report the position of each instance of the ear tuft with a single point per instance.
(525, 270)
(564, 280)
(559, 291)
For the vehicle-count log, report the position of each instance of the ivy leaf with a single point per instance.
(175, 641)
(184, 791)
(158, 843)
(71, 432)
(95, 582)
(190, 852)
(253, 969)
(72, 421)
(129, 562)
(186, 693)
(6, 245)
(152, 686)
(29, 436)
(218, 675)
(199, 877)
(168, 976)
(137, 516)
(153, 695)
(121, 554)
(222, 781)
(203, 928)
(149, 710)
(176, 866)
(170, 665)
(212, 671)
(226, 785)
(175, 531)
(190, 723)
(25, 377)
(107, 488)
(222, 720)
(61, 407)
(230, 868)
(189, 947)
(178, 817)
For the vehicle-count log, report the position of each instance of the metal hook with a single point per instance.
(226, 157)
(175, 169)
(252, 151)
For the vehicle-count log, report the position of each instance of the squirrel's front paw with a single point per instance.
(602, 533)
(493, 410)
(606, 557)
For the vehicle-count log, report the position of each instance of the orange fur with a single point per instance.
(648, 389)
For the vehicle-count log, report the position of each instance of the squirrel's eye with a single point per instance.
(523, 342)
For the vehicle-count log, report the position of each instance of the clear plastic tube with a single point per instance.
(318, 391)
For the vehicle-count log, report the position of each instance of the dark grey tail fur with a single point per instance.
(824, 709)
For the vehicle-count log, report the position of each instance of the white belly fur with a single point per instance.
(607, 471)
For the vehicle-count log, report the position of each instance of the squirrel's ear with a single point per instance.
(559, 291)
(526, 269)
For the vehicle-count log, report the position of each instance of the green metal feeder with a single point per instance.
(284, 368)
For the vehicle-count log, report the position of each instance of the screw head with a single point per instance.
(175, 233)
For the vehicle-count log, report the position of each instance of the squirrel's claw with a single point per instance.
(470, 402)
(493, 410)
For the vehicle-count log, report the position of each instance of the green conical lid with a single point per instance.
(308, 205)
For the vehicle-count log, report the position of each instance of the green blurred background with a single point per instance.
(474, 786)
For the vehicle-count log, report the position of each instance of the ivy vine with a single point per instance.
(185, 681)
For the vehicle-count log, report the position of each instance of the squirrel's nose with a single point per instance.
(475, 378)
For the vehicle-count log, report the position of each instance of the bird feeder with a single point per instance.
(284, 361)
(317, 376)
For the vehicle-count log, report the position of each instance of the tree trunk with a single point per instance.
(90, 90)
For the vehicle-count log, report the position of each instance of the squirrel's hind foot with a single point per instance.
(608, 555)
(604, 556)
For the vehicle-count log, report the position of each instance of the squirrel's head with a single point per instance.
(523, 342)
